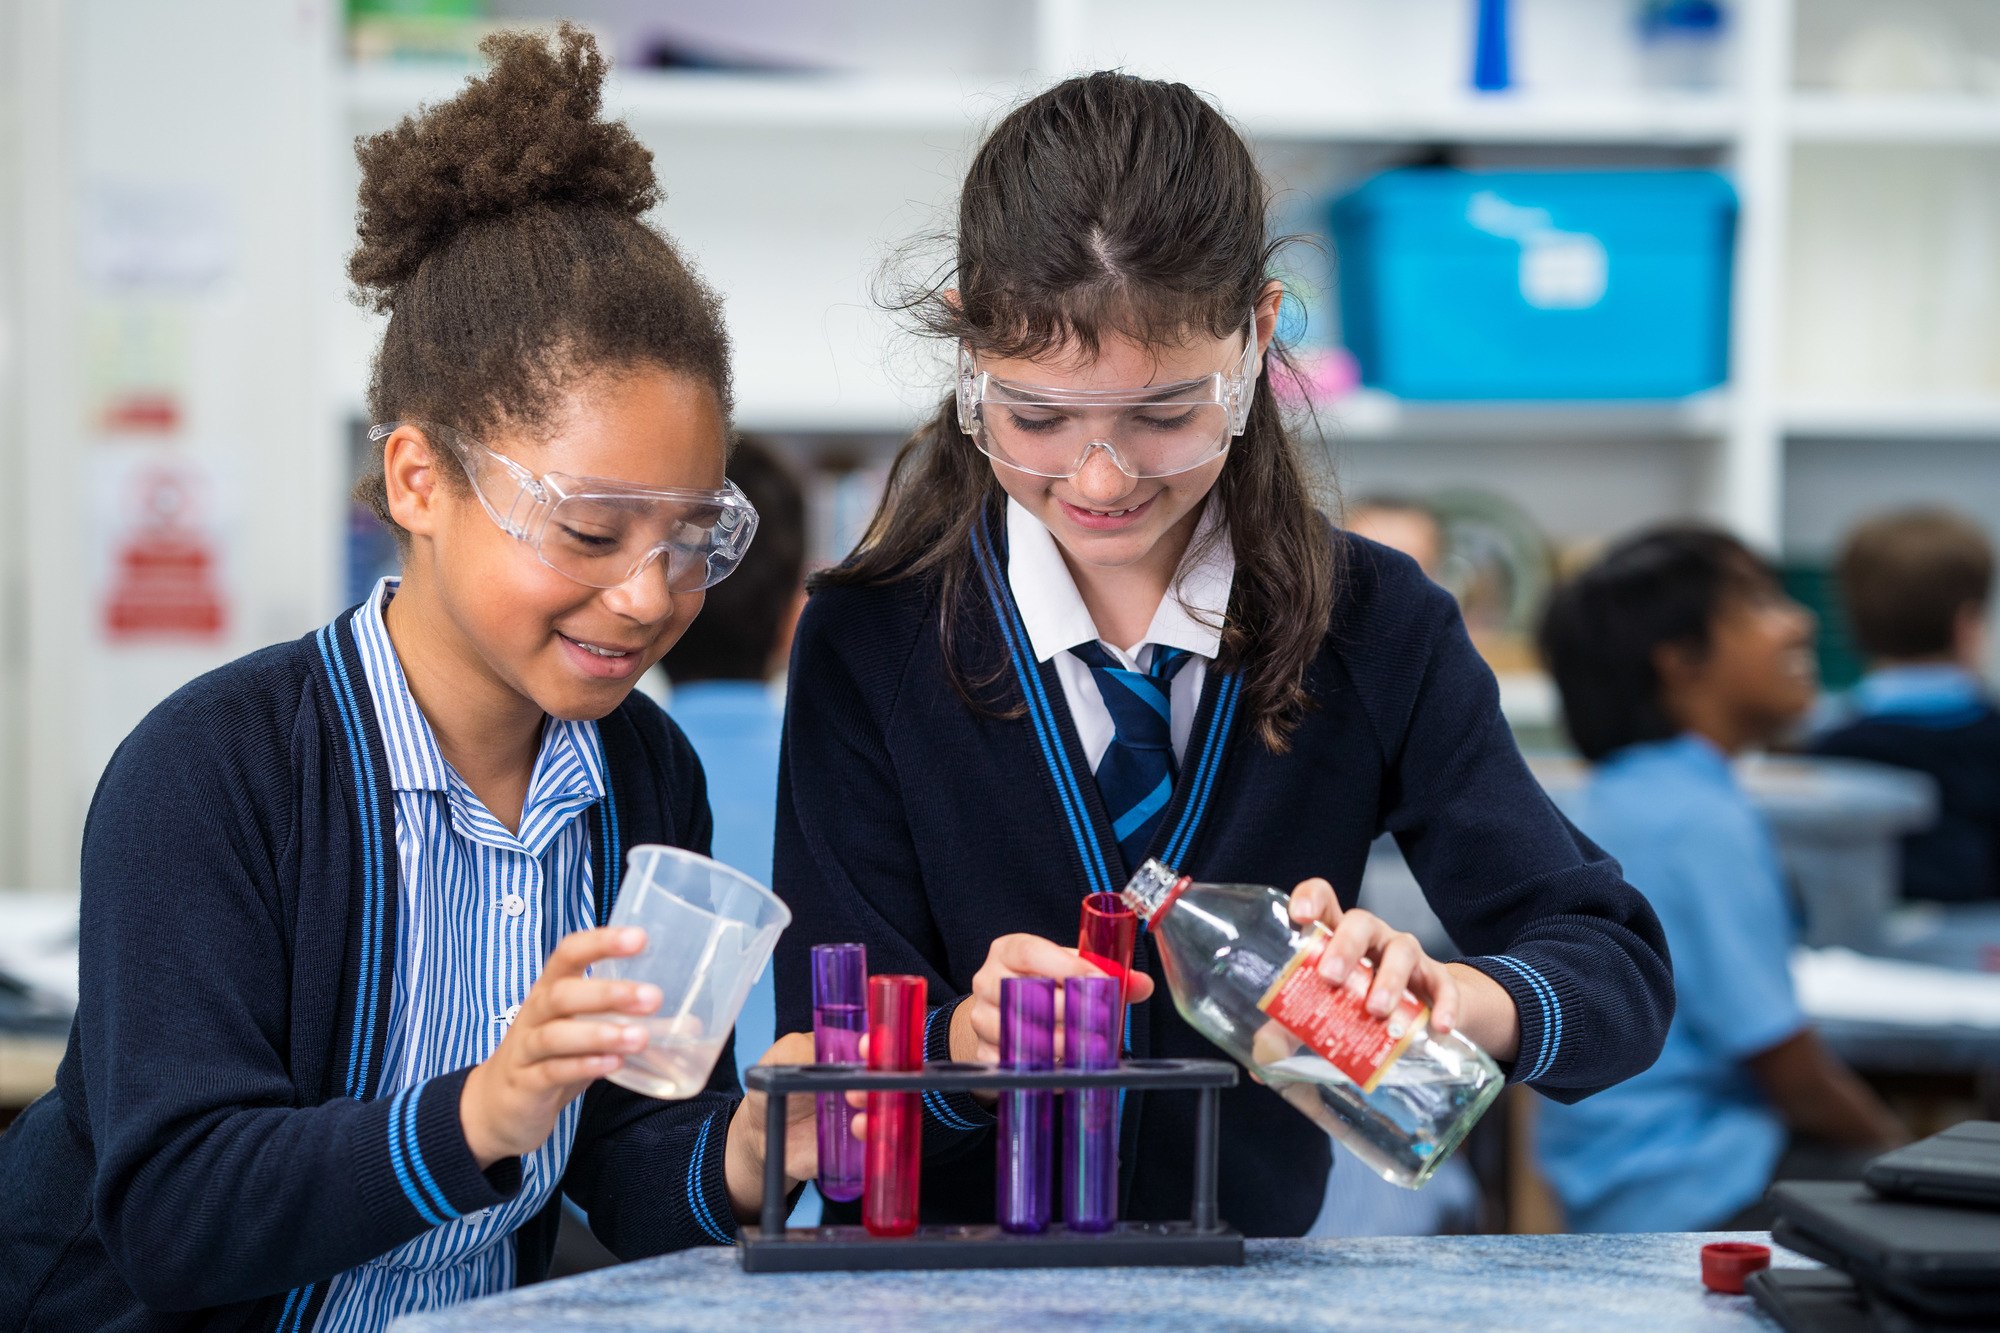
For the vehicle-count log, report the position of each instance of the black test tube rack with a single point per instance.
(1204, 1239)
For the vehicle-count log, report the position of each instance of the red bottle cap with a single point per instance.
(1726, 1263)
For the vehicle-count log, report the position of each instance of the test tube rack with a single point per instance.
(1203, 1240)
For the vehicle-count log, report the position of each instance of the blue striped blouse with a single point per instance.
(481, 908)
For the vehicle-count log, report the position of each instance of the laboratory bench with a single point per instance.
(1547, 1284)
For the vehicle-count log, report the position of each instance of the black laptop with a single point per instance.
(1937, 1259)
(1961, 1165)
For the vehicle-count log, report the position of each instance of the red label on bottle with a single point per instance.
(1331, 1019)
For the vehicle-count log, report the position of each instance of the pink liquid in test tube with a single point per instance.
(840, 1019)
(895, 1125)
(1090, 1116)
(1105, 937)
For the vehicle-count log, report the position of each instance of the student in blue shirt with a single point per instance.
(336, 1055)
(726, 698)
(1674, 652)
(1915, 585)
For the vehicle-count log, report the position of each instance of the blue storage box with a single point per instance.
(1537, 284)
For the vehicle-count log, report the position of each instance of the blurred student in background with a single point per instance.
(1401, 524)
(1674, 652)
(1914, 584)
(726, 690)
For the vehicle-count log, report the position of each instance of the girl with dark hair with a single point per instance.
(337, 1057)
(1098, 618)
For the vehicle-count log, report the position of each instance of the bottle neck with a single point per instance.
(1153, 890)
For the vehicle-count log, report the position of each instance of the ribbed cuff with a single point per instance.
(1538, 1011)
(707, 1183)
(948, 1116)
(416, 1169)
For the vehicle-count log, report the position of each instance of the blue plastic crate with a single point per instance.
(1544, 284)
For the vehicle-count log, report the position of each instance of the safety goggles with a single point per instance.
(1155, 431)
(599, 532)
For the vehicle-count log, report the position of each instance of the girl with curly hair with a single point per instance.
(337, 1057)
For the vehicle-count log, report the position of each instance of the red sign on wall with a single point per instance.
(166, 573)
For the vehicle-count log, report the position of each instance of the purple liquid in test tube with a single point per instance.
(1090, 1116)
(1027, 1042)
(840, 1020)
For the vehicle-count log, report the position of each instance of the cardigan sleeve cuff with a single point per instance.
(949, 1117)
(414, 1166)
(708, 1186)
(1538, 1009)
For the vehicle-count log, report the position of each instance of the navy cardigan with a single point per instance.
(924, 829)
(215, 1148)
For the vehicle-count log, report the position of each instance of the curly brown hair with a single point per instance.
(501, 232)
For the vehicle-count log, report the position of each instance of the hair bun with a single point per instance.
(527, 132)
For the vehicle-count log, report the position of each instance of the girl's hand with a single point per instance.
(552, 1052)
(975, 1025)
(743, 1154)
(1458, 996)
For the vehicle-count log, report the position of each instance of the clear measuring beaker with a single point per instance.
(709, 933)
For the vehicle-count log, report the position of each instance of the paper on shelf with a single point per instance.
(1843, 984)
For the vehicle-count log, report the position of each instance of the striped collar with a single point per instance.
(569, 768)
(1190, 616)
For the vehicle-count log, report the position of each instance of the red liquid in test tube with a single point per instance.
(895, 1124)
(1105, 939)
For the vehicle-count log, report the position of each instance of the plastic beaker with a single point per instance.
(709, 933)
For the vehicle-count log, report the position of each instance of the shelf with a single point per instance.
(1637, 118)
(382, 93)
(1368, 414)
(1926, 417)
(1908, 119)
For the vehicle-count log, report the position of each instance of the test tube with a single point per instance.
(1027, 1042)
(1090, 1119)
(1105, 937)
(840, 1019)
(895, 1125)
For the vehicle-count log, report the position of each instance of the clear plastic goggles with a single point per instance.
(1155, 431)
(602, 533)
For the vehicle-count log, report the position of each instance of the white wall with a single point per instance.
(214, 106)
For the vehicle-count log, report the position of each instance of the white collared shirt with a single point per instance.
(1057, 621)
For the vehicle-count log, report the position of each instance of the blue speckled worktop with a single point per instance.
(1547, 1284)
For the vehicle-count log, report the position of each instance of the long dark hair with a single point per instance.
(1113, 204)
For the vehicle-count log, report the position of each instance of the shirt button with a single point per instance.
(513, 904)
(513, 1012)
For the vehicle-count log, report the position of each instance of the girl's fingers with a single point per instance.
(595, 995)
(579, 950)
(1314, 900)
(1398, 961)
(568, 1037)
(1358, 935)
(794, 1048)
(1444, 996)
(575, 1069)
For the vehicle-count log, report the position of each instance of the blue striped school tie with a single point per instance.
(1136, 775)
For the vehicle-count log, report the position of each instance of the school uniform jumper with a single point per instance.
(925, 829)
(1938, 720)
(259, 1103)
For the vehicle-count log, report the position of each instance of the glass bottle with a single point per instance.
(1244, 975)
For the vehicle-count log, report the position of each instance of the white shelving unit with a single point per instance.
(788, 191)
